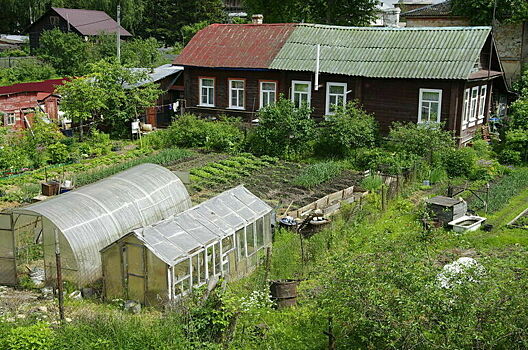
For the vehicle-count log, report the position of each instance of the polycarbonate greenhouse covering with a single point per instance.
(178, 237)
(96, 215)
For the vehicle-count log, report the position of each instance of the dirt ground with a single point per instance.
(274, 185)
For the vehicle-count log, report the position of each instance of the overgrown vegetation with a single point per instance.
(318, 173)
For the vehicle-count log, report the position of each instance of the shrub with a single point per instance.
(419, 139)
(459, 162)
(349, 128)
(99, 143)
(517, 140)
(58, 153)
(283, 131)
(510, 157)
(191, 131)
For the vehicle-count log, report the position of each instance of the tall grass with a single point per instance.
(318, 173)
(507, 187)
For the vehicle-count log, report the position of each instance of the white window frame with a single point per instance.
(180, 280)
(421, 101)
(473, 106)
(10, 119)
(237, 90)
(309, 93)
(483, 92)
(210, 92)
(262, 91)
(465, 108)
(328, 94)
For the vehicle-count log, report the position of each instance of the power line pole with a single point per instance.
(118, 33)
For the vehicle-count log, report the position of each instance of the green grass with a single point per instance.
(318, 173)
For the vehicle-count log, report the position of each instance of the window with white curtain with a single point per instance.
(465, 108)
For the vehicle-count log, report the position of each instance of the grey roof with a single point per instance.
(156, 74)
(440, 9)
(175, 238)
(90, 22)
(96, 215)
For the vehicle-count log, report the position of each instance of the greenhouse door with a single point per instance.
(7, 250)
(135, 272)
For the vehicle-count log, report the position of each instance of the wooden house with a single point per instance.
(511, 39)
(418, 75)
(85, 23)
(19, 102)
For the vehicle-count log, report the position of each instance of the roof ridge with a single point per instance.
(451, 28)
(70, 9)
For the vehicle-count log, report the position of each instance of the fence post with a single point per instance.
(383, 197)
(58, 267)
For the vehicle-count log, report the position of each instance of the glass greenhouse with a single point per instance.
(221, 237)
(92, 217)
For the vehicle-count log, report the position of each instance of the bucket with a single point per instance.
(284, 292)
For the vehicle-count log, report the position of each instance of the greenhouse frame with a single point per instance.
(224, 236)
(85, 220)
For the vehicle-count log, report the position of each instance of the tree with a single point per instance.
(337, 12)
(66, 52)
(111, 94)
(81, 99)
(27, 71)
(480, 12)
(164, 19)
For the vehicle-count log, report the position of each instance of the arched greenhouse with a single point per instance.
(90, 218)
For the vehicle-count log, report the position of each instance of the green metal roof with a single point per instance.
(419, 53)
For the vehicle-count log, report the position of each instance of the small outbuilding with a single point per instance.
(84, 221)
(221, 237)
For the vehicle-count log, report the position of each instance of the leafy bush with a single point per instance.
(420, 139)
(459, 162)
(191, 131)
(58, 153)
(349, 128)
(510, 157)
(318, 173)
(283, 130)
(35, 337)
(517, 140)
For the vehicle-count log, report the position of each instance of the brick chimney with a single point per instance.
(257, 19)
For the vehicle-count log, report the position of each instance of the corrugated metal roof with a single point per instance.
(156, 74)
(235, 46)
(90, 22)
(48, 86)
(440, 9)
(425, 53)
